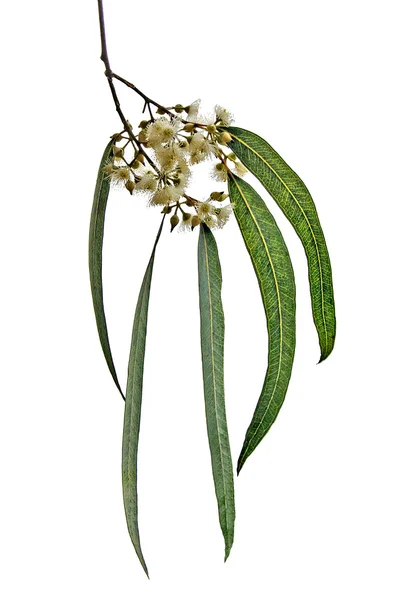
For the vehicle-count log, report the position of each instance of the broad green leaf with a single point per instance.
(96, 236)
(212, 347)
(294, 199)
(131, 425)
(275, 275)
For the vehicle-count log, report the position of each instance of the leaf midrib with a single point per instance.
(214, 381)
(279, 310)
(307, 221)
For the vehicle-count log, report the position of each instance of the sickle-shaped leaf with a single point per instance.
(275, 275)
(212, 346)
(292, 196)
(131, 425)
(96, 236)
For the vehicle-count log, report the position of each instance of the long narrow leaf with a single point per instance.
(134, 390)
(275, 275)
(295, 201)
(212, 346)
(96, 236)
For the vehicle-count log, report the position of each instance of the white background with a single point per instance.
(317, 504)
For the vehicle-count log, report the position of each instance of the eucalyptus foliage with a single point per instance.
(155, 161)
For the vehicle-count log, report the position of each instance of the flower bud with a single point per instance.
(161, 111)
(166, 210)
(118, 152)
(216, 196)
(143, 124)
(135, 164)
(232, 156)
(225, 137)
(174, 220)
(142, 136)
(189, 127)
(211, 128)
(195, 221)
(140, 157)
(130, 185)
(179, 108)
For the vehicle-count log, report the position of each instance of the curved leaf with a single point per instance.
(212, 346)
(96, 236)
(134, 390)
(295, 201)
(275, 275)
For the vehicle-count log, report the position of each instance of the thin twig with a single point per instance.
(109, 75)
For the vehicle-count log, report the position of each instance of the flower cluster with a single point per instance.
(162, 155)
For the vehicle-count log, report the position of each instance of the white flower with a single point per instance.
(165, 195)
(240, 170)
(147, 183)
(223, 215)
(162, 130)
(219, 172)
(192, 114)
(168, 156)
(119, 176)
(210, 221)
(223, 115)
(186, 222)
(200, 148)
(205, 209)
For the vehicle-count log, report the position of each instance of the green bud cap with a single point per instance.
(216, 196)
(232, 156)
(140, 157)
(174, 220)
(130, 185)
(142, 137)
(195, 221)
(143, 124)
(118, 152)
(211, 128)
(179, 108)
(166, 210)
(219, 167)
(136, 164)
(189, 127)
(161, 111)
(186, 217)
(187, 108)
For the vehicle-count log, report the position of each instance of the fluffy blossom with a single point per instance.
(223, 116)
(165, 195)
(162, 131)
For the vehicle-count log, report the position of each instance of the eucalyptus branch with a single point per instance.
(158, 160)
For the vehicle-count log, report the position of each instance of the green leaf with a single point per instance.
(294, 199)
(134, 390)
(212, 347)
(96, 236)
(275, 275)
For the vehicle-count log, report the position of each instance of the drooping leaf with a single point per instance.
(131, 425)
(275, 275)
(294, 199)
(96, 236)
(212, 347)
